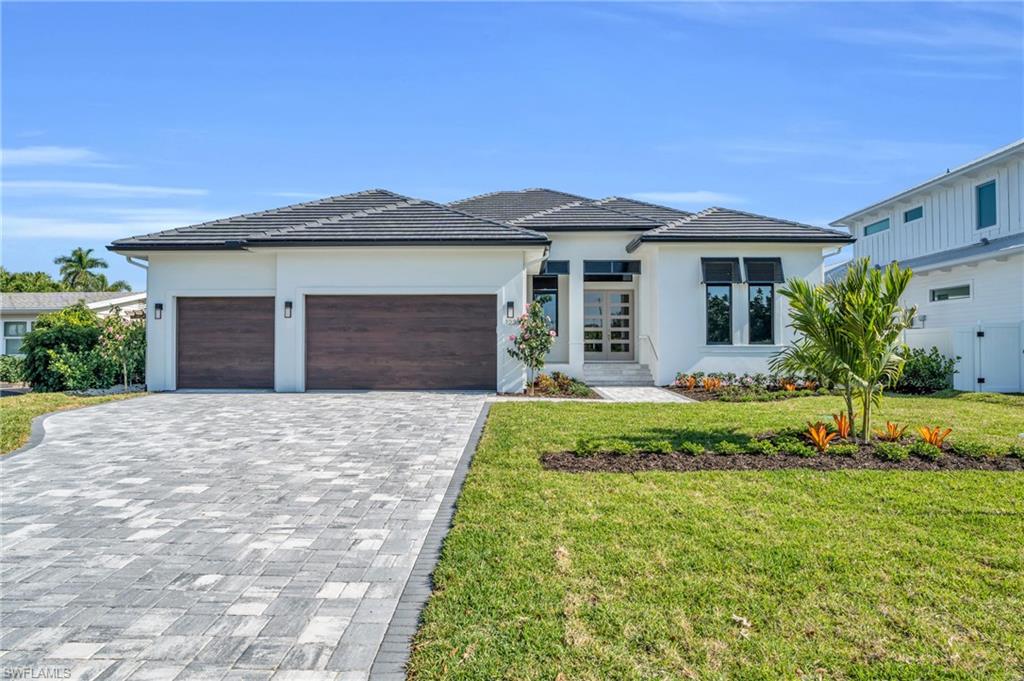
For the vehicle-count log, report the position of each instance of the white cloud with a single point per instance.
(700, 196)
(50, 156)
(93, 190)
(110, 224)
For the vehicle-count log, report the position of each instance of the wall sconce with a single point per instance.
(510, 310)
(287, 309)
(158, 311)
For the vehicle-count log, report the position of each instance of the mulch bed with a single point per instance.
(715, 396)
(569, 462)
(592, 396)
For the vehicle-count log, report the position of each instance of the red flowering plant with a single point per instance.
(123, 342)
(534, 340)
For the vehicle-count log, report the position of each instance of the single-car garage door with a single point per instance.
(225, 342)
(401, 342)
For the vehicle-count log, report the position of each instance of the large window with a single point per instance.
(760, 305)
(876, 227)
(13, 333)
(985, 198)
(937, 295)
(545, 290)
(719, 311)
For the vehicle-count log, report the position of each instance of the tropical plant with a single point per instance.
(818, 434)
(843, 425)
(534, 340)
(28, 282)
(123, 341)
(926, 371)
(934, 436)
(71, 330)
(892, 433)
(76, 271)
(711, 384)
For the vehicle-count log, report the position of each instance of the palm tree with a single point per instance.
(76, 269)
(98, 282)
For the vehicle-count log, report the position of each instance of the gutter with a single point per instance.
(274, 243)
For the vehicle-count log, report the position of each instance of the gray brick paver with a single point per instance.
(222, 536)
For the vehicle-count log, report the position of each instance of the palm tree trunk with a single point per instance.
(848, 396)
(866, 395)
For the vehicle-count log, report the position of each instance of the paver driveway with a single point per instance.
(221, 536)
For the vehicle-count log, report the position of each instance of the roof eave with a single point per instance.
(802, 240)
(272, 243)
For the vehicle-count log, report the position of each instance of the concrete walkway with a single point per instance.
(639, 394)
(221, 536)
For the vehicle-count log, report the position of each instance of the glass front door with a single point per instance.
(608, 325)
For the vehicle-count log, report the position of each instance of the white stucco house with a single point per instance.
(962, 233)
(379, 290)
(19, 311)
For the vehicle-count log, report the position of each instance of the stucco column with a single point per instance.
(576, 318)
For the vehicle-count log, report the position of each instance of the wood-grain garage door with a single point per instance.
(401, 342)
(225, 342)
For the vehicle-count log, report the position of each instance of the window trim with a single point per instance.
(919, 207)
(888, 225)
(993, 180)
(707, 326)
(771, 314)
(944, 287)
(28, 328)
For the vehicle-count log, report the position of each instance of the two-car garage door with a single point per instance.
(390, 342)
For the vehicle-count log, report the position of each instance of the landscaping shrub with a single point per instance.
(589, 446)
(586, 446)
(925, 450)
(763, 447)
(71, 330)
(691, 448)
(844, 449)
(11, 368)
(791, 445)
(123, 343)
(890, 451)
(926, 371)
(973, 449)
(1016, 450)
(657, 447)
(82, 370)
(558, 384)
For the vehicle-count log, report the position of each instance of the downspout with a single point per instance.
(132, 261)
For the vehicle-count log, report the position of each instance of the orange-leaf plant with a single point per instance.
(843, 425)
(819, 435)
(789, 387)
(712, 384)
(892, 433)
(690, 383)
(934, 436)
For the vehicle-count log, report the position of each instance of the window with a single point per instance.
(719, 311)
(763, 270)
(876, 227)
(13, 333)
(760, 307)
(555, 267)
(913, 214)
(985, 197)
(610, 270)
(937, 295)
(720, 270)
(545, 289)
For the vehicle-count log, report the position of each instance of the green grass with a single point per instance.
(840, 575)
(16, 413)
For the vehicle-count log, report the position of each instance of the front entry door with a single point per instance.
(608, 325)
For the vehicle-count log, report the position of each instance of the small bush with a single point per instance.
(691, 448)
(974, 449)
(926, 371)
(585, 446)
(12, 368)
(1016, 450)
(657, 447)
(890, 451)
(925, 450)
(844, 449)
(791, 445)
(762, 447)
(82, 370)
(727, 448)
(72, 330)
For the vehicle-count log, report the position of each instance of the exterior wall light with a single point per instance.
(287, 309)
(510, 310)
(158, 311)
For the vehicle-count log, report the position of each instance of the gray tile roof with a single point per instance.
(726, 224)
(662, 214)
(504, 206)
(585, 215)
(13, 302)
(376, 216)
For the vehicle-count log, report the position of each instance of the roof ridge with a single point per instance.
(335, 219)
(644, 203)
(506, 225)
(686, 218)
(546, 211)
(628, 214)
(768, 217)
(516, 191)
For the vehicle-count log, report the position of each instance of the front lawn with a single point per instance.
(781, 574)
(16, 413)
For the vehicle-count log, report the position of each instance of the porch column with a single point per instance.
(576, 318)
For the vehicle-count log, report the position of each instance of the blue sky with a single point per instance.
(121, 119)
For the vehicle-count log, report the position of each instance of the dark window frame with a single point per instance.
(876, 223)
(918, 209)
(554, 267)
(734, 278)
(547, 290)
(777, 276)
(978, 207)
(933, 294)
(751, 286)
(727, 287)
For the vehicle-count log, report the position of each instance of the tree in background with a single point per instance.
(28, 282)
(76, 270)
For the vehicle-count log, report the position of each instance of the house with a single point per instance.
(962, 233)
(18, 311)
(379, 290)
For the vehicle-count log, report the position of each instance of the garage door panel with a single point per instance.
(225, 342)
(401, 342)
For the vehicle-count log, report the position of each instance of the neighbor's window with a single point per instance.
(719, 306)
(950, 293)
(876, 227)
(545, 289)
(913, 214)
(13, 332)
(985, 197)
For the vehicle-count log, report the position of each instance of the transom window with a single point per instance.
(913, 214)
(985, 197)
(937, 295)
(13, 335)
(545, 290)
(876, 227)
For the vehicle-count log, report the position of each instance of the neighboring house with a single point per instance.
(18, 311)
(962, 233)
(379, 290)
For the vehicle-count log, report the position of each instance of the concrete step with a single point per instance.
(614, 374)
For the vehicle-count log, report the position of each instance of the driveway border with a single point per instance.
(37, 428)
(396, 647)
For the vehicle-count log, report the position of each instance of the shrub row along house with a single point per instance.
(962, 233)
(19, 311)
(379, 290)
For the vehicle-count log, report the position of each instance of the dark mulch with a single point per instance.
(631, 463)
(719, 396)
(696, 395)
(567, 396)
